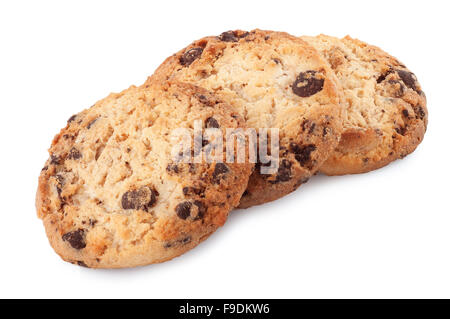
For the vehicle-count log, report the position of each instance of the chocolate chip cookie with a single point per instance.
(113, 195)
(386, 113)
(274, 80)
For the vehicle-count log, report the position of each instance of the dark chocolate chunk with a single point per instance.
(140, 199)
(173, 168)
(211, 123)
(405, 113)
(232, 36)
(55, 160)
(82, 264)
(219, 171)
(75, 238)
(190, 56)
(383, 76)
(74, 154)
(183, 210)
(408, 78)
(420, 112)
(228, 36)
(200, 191)
(91, 123)
(308, 125)
(284, 172)
(72, 118)
(183, 241)
(308, 83)
(302, 152)
(401, 130)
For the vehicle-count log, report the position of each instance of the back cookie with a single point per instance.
(274, 80)
(386, 108)
(111, 194)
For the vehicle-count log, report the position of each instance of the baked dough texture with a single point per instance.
(111, 194)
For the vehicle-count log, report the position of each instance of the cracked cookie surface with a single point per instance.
(386, 114)
(111, 195)
(274, 80)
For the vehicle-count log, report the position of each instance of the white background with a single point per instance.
(381, 234)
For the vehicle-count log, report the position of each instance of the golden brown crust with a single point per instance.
(386, 107)
(274, 80)
(111, 195)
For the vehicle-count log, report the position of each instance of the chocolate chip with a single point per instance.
(232, 36)
(75, 238)
(383, 76)
(82, 264)
(173, 168)
(44, 168)
(307, 84)
(74, 154)
(183, 210)
(206, 100)
(219, 171)
(91, 123)
(276, 60)
(55, 160)
(420, 112)
(308, 125)
(186, 240)
(190, 56)
(211, 123)
(401, 130)
(72, 118)
(405, 113)
(228, 36)
(140, 199)
(59, 185)
(408, 78)
(284, 172)
(183, 241)
(199, 191)
(302, 152)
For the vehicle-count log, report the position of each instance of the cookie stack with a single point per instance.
(115, 194)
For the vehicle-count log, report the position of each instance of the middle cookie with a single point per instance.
(275, 81)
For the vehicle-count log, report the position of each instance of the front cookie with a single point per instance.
(275, 81)
(112, 195)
